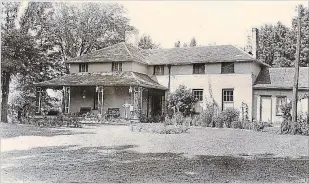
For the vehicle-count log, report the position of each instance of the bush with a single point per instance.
(286, 110)
(218, 121)
(182, 100)
(159, 128)
(178, 119)
(205, 118)
(151, 119)
(236, 124)
(230, 115)
(196, 121)
(302, 126)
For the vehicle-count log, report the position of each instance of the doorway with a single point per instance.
(265, 109)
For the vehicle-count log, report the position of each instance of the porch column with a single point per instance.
(38, 105)
(66, 100)
(100, 90)
(137, 102)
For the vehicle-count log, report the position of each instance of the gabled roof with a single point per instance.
(281, 78)
(118, 52)
(175, 56)
(103, 79)
(205, 54)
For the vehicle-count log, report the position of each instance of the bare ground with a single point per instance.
(116, 154)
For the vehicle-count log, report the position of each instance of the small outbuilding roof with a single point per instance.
(281, 78)
(103, 79)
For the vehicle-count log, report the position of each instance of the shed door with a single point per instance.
(265, 109)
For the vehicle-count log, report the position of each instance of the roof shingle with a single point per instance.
(117, 52)
(205, 54)
(104, 79)
(281, 78)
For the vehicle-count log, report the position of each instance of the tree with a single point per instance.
(92, 26)
(47, 36)
(304, 48)
(193, 42)
(277, 43)
(177, 44)
(26, 50)
(146, 42)
(182, 100)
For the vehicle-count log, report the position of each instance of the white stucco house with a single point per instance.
(104, 80)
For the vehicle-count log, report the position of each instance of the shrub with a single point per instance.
(218, 121)
(254, 125)
(143, 118)
(236, 124)
(230, 115)
(196, 120)
(205, 118)
(159, 128)
(302, 126)
(182, 100)
(286, 110)
(178, 120)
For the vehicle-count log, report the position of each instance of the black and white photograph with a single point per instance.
(154, 91)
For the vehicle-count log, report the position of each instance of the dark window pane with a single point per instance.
(227, 67)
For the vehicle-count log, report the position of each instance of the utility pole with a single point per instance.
(296, 75)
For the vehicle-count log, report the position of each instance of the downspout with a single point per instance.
(169, 77)
(169, 86)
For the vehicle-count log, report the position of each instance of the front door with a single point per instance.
(265, 109)
(156, 105)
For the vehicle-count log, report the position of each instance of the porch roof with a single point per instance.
(103, 79)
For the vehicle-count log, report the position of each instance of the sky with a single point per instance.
(210, 22)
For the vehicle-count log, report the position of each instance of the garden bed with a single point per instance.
(159, 128)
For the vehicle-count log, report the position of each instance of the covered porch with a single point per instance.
(124, 95)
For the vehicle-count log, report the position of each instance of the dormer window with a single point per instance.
(198, 68)
(158, 70)
(227, 67)
(117, 66)
(83, 67)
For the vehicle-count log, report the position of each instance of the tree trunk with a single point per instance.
(6, 77)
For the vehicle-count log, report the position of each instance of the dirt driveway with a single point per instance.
(110, 153)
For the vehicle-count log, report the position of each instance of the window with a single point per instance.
(227, 98)
(83, 67)
(116, 66)
(281, 100)
(158, 70)
(227, 67)
(198, 68)
(198, 94)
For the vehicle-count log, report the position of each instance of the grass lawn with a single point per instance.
(109, 153)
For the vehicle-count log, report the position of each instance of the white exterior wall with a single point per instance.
(105, 67)
(140, 68)
(241, 83)
(302, 107)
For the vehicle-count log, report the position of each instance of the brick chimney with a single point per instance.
(131, 37)
(255, 42)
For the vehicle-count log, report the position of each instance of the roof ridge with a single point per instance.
(92, 52)
(125, 45)
(145, 75)
(244, 52)
(133, 74)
